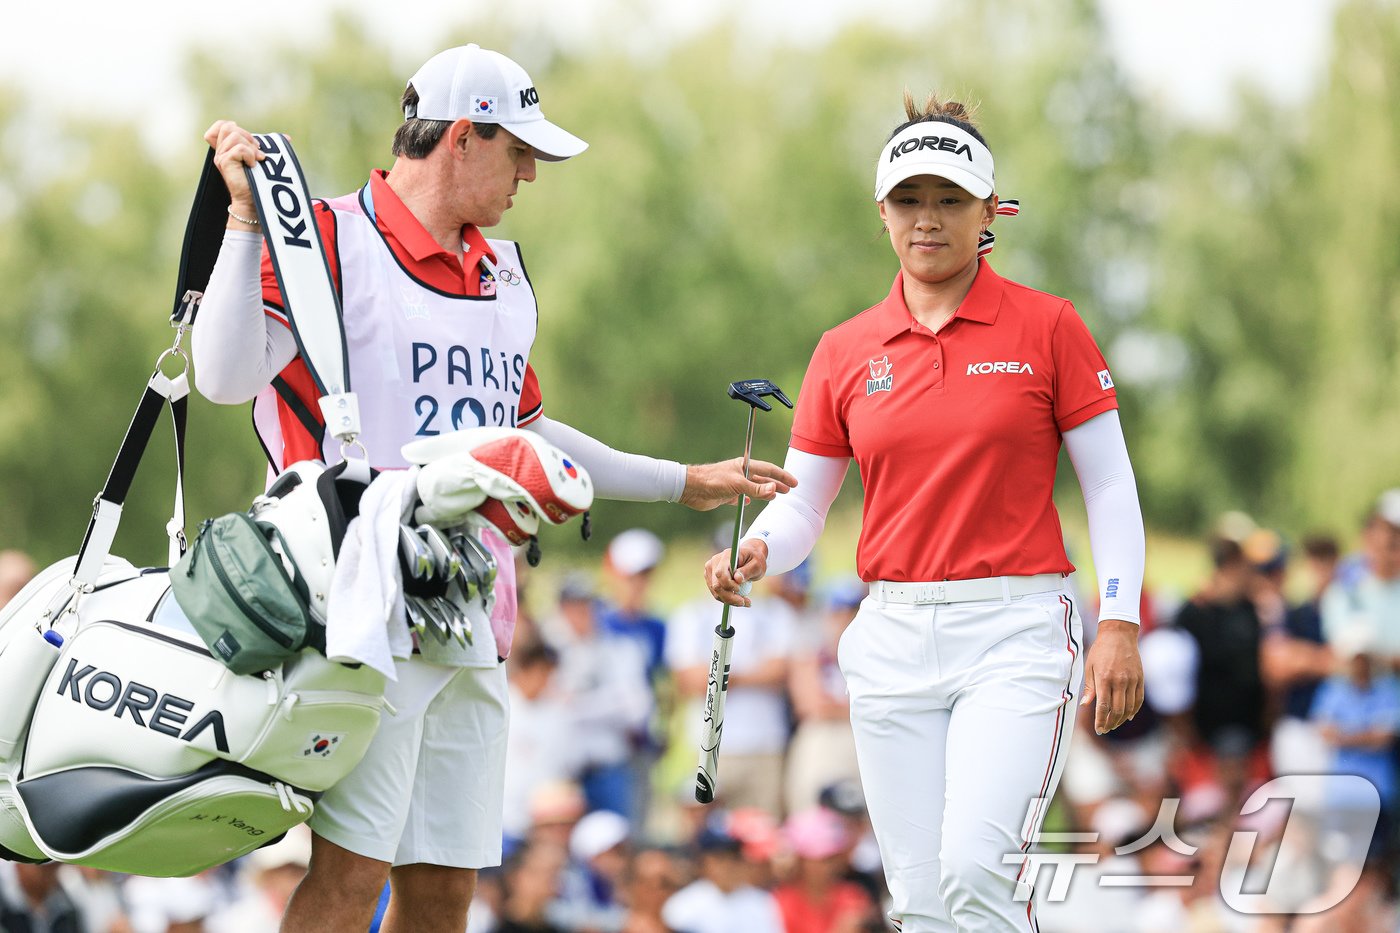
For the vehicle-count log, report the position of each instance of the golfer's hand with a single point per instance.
(234, 147)
(1113, 675)
(724, 586)
(710, 485)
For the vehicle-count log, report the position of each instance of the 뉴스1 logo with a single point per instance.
(1105, 380)
(484, 106)
(880, 378)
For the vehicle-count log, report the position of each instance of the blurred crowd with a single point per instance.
(1282, 661)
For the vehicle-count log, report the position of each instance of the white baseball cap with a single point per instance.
(598, 832)
(635, 551)
(1388, 507)
(934, 147)
(486, 87)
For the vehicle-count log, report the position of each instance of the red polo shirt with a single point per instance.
(956, 434)
(423, 259)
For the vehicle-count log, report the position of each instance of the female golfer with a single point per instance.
(952, 395)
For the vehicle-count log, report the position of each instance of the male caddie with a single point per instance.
(439, 322)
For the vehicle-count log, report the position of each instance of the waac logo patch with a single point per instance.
(881, 380)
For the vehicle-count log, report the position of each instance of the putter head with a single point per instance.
(754, 391)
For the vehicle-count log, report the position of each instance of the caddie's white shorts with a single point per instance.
(431, 787)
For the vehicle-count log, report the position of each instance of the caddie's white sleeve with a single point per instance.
(1100, 458)
(236, 353)
(616, 475)
(791, 524)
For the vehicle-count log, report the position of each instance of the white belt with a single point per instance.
(966, 591)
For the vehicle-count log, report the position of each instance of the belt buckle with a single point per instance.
(932, 593)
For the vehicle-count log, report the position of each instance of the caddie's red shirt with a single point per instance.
(422, 258)
(957, 433)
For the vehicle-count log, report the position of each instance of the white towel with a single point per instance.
(365, 611)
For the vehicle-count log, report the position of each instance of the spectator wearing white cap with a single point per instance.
(591, 884)
(629, 563)
(1357, 711)
(1371, 597)
(628, 567)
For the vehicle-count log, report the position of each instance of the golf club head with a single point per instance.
(420, 558)
(447, 563)
(460, 625)
(437, 620)
(755, 391)
(480, 563)
(415, 616)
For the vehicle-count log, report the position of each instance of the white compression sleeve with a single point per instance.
(791, 524)
(616, 475)
(236, 352)
(1100, 458)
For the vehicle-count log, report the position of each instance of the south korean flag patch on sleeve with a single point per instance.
(1105, 380)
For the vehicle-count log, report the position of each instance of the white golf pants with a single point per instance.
(962, 715)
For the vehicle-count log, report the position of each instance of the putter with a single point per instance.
(754, 393)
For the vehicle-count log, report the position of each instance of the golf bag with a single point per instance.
(124, 743)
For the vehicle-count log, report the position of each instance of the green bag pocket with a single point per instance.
(251, 613)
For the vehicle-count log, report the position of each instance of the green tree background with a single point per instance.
(1242, 278)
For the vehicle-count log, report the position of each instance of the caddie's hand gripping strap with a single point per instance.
(308, 292)
(203, 237)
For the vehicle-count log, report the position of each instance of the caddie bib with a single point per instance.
(426, 362)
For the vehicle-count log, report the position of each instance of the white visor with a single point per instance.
(933, 147)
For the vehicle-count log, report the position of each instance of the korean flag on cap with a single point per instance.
(484, 106)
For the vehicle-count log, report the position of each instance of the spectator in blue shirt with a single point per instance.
(1358, 713)
(630, 561)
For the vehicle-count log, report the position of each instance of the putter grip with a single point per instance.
(707, 772)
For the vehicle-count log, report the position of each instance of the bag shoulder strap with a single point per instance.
(203, 238)
(303, 273)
